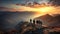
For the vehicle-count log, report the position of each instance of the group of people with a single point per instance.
(32, 28)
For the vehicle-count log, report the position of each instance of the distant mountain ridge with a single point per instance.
(50, 20)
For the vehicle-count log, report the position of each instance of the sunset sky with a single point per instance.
(15, 5)
(10, 5)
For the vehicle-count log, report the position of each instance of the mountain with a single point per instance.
(57, 21)
(53, 21)
(9, 20)
(45, 18)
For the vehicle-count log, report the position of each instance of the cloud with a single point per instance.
(55, 2)
(7, 9)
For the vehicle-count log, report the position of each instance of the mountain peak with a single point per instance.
(47, 16)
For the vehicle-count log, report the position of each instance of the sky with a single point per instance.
(55, 2)
(4, 2)
(11, 4)
(18, 1)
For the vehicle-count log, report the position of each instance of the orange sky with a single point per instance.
(40, 9)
